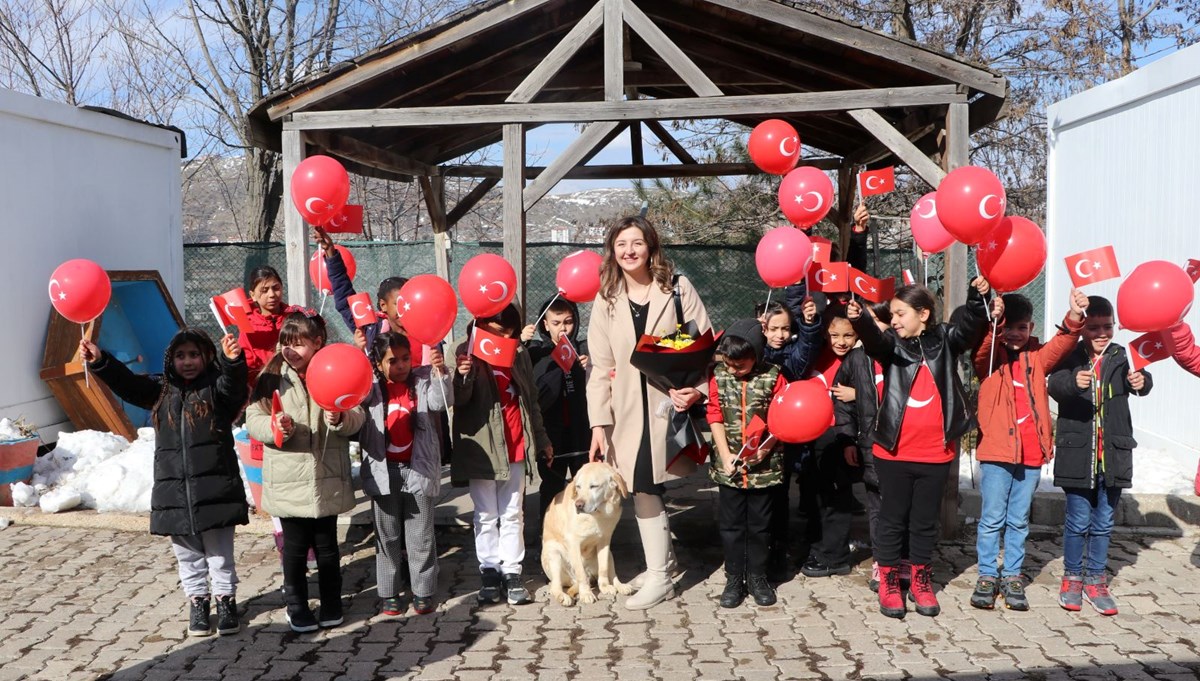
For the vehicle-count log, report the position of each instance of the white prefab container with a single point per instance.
(1123, 171)
(76, 184)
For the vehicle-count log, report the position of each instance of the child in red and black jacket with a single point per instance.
(266, 317)
(1184, 348)
(924, 411)
(1094, 447)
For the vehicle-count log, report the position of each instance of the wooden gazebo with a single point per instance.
(485, 75)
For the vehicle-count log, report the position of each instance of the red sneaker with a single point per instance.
(922, 591)
(1070, 593)
(891, 599)
(1095, 591)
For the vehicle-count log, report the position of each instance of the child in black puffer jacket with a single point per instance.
(198, 497)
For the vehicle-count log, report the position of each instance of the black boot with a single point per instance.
(199, 623)
(331, 597)
(735, 590)
(760, 589)
(299, 616)
(227, 616)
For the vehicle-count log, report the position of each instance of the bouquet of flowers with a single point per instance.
(673, 362)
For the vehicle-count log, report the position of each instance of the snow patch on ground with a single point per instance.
(104, 471)
(1154, 472)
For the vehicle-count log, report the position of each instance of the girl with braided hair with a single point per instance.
(198, 497)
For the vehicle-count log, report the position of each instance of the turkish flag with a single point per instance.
(276, 409)
(1193, 270)
(229, 313)
(880, 181)
(361, 310)
(495, 350)
(348, 221)
(830, 277)
(564, 354)
(1092, 266)
(874, 290)
(908, 278)
(822, 248)
(753, 437)
(1147, 349)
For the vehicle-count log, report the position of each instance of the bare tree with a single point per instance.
(49, 47)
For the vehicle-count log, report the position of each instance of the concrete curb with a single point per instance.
(1152, 514)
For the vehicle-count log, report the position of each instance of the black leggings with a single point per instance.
(319, 534)
(912, 500)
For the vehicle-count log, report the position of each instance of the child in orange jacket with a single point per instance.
(1015, 440)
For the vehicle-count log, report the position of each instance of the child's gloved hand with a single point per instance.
(88, 351)
(230, 347)
(285, 424)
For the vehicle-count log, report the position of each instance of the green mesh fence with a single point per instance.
(725, 276)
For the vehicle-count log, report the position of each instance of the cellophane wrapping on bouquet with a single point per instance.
(673, 362)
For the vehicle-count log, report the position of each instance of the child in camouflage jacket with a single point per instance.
(744, 466)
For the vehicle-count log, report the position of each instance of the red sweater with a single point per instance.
(1184, 348)
(259, 345)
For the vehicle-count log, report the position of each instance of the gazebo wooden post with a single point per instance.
(295, 233)
(513, 184)
(954, 292)
(845, 208)
(433, 189)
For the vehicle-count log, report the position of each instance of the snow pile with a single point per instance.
(9, 431)
(24, 495)
(103, 470)
(1154, 472)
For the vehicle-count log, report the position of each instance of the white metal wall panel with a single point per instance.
(76, 184)
(1123, 170)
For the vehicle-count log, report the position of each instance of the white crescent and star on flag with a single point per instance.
(878, 182)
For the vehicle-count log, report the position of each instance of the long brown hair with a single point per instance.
(611, 276)
(208, 350)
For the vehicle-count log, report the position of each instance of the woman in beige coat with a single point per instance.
(628, 415)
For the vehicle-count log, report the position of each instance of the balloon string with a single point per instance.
(992, 352)
(546, 309)
(437, 373)
(321, 310)
(925, 270)
(83, 336)
(768, 303)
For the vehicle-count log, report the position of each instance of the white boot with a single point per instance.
(656, 542)
(672, 569)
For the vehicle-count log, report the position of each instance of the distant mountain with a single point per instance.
(395, 211)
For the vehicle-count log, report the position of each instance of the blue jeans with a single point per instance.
(1007, 493)
(1089, 521)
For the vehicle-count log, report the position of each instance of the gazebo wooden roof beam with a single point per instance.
(663, 109)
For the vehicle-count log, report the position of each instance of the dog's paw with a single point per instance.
(623, 589)
(564, 599)
(586, 596)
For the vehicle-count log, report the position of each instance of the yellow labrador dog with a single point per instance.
(577, 532)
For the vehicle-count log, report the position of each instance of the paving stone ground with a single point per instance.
(84, 603)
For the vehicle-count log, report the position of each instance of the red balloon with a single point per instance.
(319, 276)
(783, 256)
(427, 308)
(927, 229)
(774, 146)
(800, 412)
(578, 276)
(339, 377)
(970, 203)
(486, 284)
(805, 196)
(80, 290)
(1155, 296)
(320, 189)
(1013, 254)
